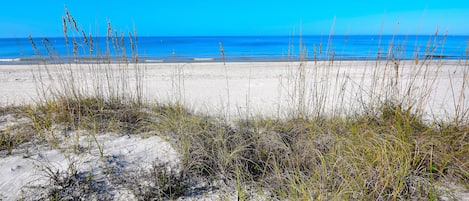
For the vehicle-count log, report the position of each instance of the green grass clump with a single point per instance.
(90, 113)
(19, 132)
(165, 184)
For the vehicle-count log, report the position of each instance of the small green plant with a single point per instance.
(158, 183)
(68, 184)
(7, 142)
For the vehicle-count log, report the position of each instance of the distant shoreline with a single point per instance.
(36, 61)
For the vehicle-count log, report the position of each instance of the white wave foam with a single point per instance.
(153, 61)
(10, 60)
(203, 59)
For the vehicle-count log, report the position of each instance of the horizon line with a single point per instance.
(244, 35)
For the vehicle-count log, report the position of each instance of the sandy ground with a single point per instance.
(231, 89)
(267, 88)
(25, 168)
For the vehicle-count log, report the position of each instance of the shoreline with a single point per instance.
(151, 60)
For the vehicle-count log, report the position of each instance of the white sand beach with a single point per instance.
(266, 88)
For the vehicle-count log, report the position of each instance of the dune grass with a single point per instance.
(383, 150)
(385, 157)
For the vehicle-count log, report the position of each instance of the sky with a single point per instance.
(21, 18)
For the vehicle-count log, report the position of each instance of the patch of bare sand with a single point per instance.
(25, 176)
(266, 88)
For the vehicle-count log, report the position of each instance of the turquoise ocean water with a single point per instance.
(238, 48)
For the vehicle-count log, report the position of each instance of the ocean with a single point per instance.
(235, 48)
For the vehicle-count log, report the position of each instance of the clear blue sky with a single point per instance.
(19, 18)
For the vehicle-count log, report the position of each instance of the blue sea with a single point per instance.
(235, 48)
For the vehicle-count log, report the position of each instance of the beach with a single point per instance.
(221, 93)
(257, 88)
(237, 100)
